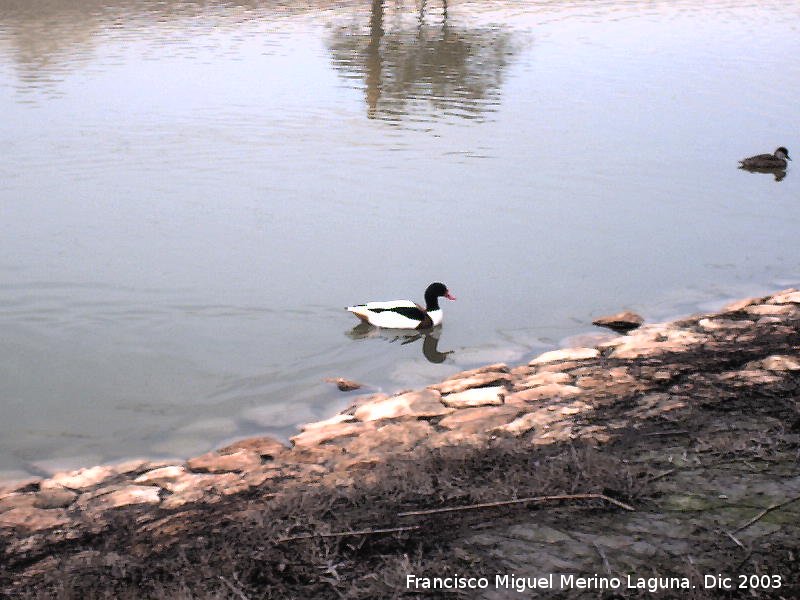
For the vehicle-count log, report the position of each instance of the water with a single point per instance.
(190, 192)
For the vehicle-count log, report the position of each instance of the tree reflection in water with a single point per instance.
(430, 70)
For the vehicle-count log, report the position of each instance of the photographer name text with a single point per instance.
(562, 581)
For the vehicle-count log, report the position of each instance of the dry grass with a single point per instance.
(232, 549)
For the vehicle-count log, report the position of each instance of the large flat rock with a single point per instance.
(480, 419)
(424, 403)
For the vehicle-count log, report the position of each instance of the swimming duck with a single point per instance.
(405, 314)
(767, 161)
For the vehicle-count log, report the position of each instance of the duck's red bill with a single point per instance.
(449, 296)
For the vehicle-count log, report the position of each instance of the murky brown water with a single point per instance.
(191, 191)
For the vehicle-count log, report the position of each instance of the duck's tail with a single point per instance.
(359, 311)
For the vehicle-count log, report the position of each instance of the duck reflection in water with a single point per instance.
(777, 172)
(430, 338)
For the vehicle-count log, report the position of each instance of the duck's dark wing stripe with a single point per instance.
(412, 312)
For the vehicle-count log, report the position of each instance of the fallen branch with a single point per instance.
(660, 475)
(734, 539)
(434, 511)
(766, 511)
(308, 536)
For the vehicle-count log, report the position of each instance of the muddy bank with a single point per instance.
(668, 452)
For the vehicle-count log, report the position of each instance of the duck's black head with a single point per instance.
(433, 293)
(782, 152)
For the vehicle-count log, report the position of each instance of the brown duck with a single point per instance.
(767, 161)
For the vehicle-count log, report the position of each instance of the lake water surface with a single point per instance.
(190, 192)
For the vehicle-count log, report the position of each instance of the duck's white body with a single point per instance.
(386, 314)
(404, 314)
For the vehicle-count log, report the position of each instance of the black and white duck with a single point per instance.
(405, 314)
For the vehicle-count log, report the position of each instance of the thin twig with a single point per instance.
(308, 536)
(674, 432)
(660, 475)
(603, 556)
(766, 511)
(434, 511)
(233, 588)
(734, 539)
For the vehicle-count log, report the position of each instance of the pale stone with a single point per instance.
(496, 367)
(557, 367)
(456, 437)
(543, 378)
(318, 454)
(181, 498)
(54, 498)
(622, 321)
(575, 408)
(85, 498)
(259, 476)
(715, 324)
(778, 362)
(334, 420)
(475, 420)
(547, 391)
(475, 397)
(132, 465)
(425, 403)
(235, 487)
(654, 339)
(585, 382)
(539, 419)
(786, 297)
(160, 475)
(205, 482)
(478, 380)
(751, 376)
(393, 437)
(522, 371)
(362, 400)
(769, 309)
(126, 496)
(358, 463)
(566, 354)
(264, 446)
(320, 435)
(17, 500)
(33, 519)
(82, 478)
(213, 462)
(768, 321)
(740, 304)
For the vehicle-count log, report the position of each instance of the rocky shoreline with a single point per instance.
(633, 419)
